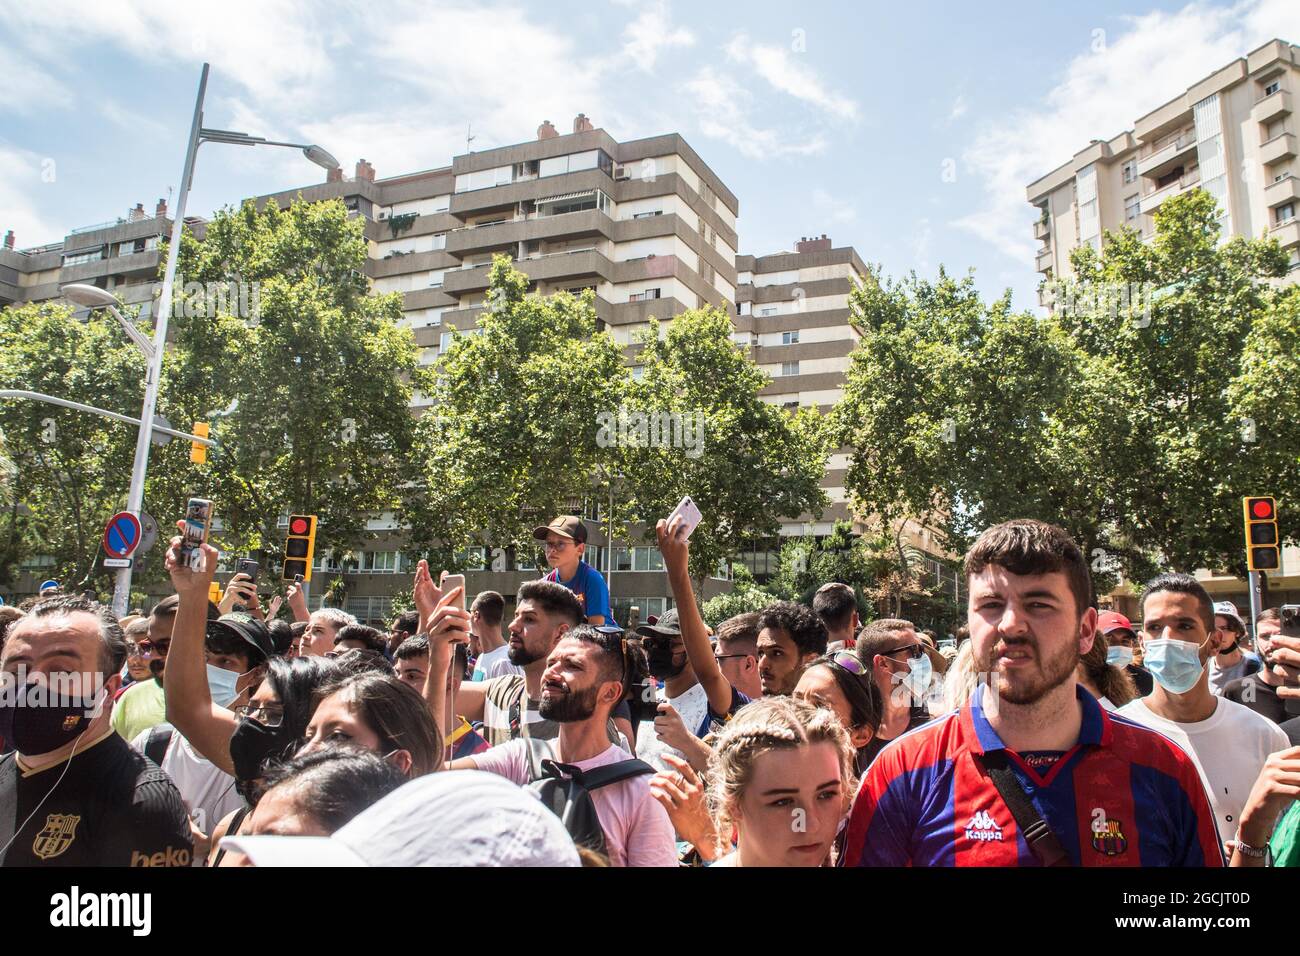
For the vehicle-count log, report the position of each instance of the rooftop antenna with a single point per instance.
(468, 138)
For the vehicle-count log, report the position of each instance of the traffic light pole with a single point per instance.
(1257, 582)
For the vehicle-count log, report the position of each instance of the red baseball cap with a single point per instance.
(1108, 621)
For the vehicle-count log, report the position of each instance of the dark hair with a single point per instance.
(396, 713)
(555, 599)
(169, 605)
(299, 628)
(417, 646)
(804, 627)
(8, 614)
(224, 642)
(1181, 584)
(460, 661)
(359, 660)
(334, 784)
(491, 606)
(1272, 614)
(879, 636)
(865, 703)
(1025, 546)
(611, 662)
(281, 633)
(408, 622)
(739, 632)
(295, 683)
(1114, 682)
(372, 638)
(835, 604)
(112, 642)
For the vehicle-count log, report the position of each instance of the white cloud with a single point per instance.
(959, 108)
(722, 112)
(20, 184)
(1099, 95)
(651, 32)
(784, 72)
(831, 209)
(27, 88)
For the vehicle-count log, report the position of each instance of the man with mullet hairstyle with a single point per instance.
(1032, 751)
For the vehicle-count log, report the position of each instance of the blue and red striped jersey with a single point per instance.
(1124, 795)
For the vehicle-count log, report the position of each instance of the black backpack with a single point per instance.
(566, 790)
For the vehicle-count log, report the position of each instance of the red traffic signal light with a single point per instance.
(1262, 541)
(299, 547)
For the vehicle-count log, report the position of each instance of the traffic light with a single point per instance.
(299, 547)
(1262, 543)
(198, 450)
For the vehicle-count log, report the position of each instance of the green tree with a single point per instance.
(312, 389)
(67, 471)
(512, 438)
(745, 595)
(750, 463)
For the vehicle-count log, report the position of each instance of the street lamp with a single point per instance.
(198, 136)
(93, 297)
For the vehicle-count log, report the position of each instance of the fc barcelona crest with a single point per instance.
(56, 836)
(1108, 838)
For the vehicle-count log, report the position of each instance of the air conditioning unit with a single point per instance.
(621, 173)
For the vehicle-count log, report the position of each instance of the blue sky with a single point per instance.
(908, 130)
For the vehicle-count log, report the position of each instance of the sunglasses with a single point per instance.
(914, 651)
(149, 647)
(848, 661)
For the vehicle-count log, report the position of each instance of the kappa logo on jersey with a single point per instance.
(56, 836)
(1108, 835)
(982, 828)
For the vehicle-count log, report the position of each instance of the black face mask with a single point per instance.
(661, 660)
(251, 745)
(35, 720)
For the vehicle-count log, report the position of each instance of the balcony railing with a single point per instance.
(1165, 153)
(1151, 201)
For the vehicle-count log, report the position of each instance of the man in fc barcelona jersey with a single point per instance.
(1113, 793)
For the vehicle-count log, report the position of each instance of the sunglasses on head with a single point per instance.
(848, 661)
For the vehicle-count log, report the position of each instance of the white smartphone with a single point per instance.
(690, 516)
(451, 582)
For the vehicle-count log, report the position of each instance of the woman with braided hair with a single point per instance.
(781, 779)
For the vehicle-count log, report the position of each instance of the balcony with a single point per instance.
(1043, 229)
(1044, 260)
(1271, 107)
(1152, 201)
(1163, 160)
(541, 268)
(1285, 189)
(1286, 233)
(1276, 149)
(503, 235)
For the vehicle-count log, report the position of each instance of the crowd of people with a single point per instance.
(798, 735)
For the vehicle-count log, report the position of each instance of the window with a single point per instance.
(380, 562)
(647, 215)
(1132, 206)
(435, 280)
(483, 179)
(591, 159)
(1272, 87)
(768, 310)
(638, 372)
(1285, 213)
(789, 368)
(645, 296)
(76, 258)
(790, 338)
(790, 406)
(439, 241)
(1130, 171)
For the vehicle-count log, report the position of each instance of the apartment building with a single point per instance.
(1232, 133)
(121, 255)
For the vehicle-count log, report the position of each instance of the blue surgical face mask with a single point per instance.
(1176, 665)
(917, 678)
(1119, 655)
(221, 684)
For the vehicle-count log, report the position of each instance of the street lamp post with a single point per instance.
(198, 135)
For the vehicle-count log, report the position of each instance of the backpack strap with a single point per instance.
(8, 800)
(612, 773)
(155, 745)
(1042, 840)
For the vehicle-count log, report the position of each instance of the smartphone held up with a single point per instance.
(198, 522)
(690, 514)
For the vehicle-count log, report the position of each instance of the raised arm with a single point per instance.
(695, 635)
(190, 709)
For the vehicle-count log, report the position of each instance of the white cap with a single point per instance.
(450, 818)
(1228, 609)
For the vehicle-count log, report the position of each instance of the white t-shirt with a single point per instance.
(692, 707)
(1229, 749)
(208, 791)
(495, 663)
(637, 829)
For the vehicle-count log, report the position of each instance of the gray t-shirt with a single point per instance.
(1220, 676)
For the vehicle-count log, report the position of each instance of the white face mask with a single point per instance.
(222, 684)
